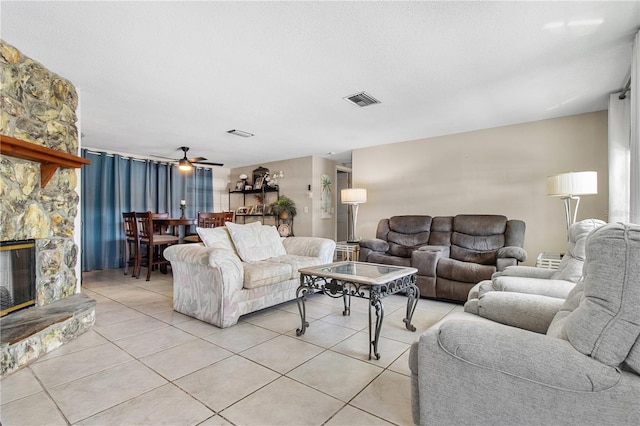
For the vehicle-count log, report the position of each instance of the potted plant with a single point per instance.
(284, 207)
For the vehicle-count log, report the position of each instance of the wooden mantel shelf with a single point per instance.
(50, 159)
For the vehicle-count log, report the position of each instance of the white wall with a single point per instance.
(494, 171)
(221, 180)
(323, 226)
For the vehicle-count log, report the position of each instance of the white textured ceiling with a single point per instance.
(158, 75)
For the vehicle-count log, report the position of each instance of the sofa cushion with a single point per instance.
(441, 228)
(264, 273)
(296, 262)
(477, 238)
(410, 224)
(216, 238)
(407, 233)
(467, 272)
(480, 224)
(606, 323)
(385, 259)
(482, 249)
(403, 245)
(256, 242)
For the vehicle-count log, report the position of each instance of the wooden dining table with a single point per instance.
(176, 224)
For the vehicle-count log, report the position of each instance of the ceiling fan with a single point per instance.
(186, 164)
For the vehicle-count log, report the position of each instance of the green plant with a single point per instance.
(284, 205)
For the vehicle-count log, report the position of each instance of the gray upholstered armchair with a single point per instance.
(452, 254)
(513, 294)
(584, 370)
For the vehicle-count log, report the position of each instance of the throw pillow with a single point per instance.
(255, 243)
(216, 238)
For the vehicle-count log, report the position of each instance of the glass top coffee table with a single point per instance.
(364, 280)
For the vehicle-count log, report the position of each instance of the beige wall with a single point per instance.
(297, 175)
(494, 171)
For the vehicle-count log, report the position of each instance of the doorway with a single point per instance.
(343, 180)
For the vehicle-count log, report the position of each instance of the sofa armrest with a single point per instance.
(552, 288)
(464, 367)
(525, 271)
(205, 280)
(514, 252)
(531, 312)
(374, 244)
(311, 247)
(550, 362)
(426, 258)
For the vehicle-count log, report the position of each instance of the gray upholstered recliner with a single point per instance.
(452, 254)
(518, 291)
(584, 370)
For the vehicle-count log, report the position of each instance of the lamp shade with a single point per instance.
(572, 183)
(353, 196)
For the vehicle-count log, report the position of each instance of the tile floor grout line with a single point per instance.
(45, 390)
(121, 403)
(107, 288)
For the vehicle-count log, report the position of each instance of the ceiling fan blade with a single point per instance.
(196, 159)
(163, 157)
(208, 163)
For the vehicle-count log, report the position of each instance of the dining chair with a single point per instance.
(156, 243)
(132, 239)
(206, 220)
(228, 217)
(157, 228)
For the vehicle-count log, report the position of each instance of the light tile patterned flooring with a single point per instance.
(144, 364)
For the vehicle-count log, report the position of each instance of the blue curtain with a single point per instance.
(112, 185)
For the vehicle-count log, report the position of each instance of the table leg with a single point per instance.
(376, 303)
(413, 295)
(301, 294)
(346, 299)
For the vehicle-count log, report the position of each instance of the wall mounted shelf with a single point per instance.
(50, 159)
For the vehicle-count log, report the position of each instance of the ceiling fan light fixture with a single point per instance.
(184, 165)
(240, 133)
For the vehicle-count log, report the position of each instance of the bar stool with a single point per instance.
(155, 243)
(157, 228)
(206, 220)
(130, 226)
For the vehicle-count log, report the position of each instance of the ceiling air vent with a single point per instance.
(240, 133)
(361, 99)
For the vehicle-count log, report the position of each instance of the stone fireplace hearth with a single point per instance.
(38, 200)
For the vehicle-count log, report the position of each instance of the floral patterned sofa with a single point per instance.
(240, 269)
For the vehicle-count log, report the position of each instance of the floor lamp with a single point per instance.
(354, 197)
(569, 187)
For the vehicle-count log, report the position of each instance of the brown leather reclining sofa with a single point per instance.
(451, 253)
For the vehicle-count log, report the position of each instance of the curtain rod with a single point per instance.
(627, 88)
(139, 159)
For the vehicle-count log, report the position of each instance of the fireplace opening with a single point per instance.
(17, 275)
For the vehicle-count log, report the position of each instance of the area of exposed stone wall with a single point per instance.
(38, 106)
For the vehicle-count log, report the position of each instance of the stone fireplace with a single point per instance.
(38, 201)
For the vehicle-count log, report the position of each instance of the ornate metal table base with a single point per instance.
(374, 292)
